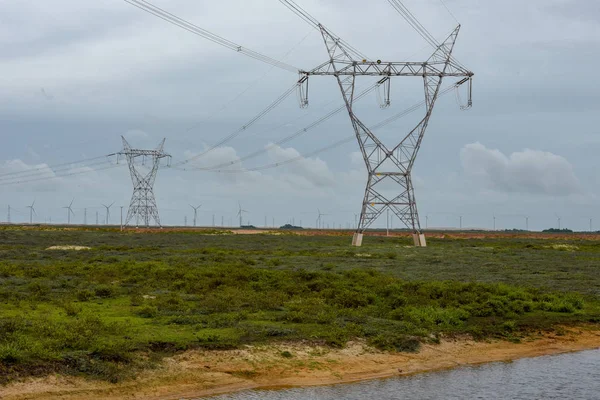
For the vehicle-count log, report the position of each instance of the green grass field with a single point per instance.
(134, 298)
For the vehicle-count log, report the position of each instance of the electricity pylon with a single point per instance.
(143, 204)
(385, 164)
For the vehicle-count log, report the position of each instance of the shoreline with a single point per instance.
(198, 373)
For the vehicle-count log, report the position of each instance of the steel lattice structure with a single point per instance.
(143, 204)
(386, 164)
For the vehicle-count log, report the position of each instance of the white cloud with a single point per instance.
(83, 179)
(313, 171)
(528, 171)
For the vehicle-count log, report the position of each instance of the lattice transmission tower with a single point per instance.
(387, 164)
(143, 204)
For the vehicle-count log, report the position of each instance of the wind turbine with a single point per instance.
(108, 211)
(241, 213)
(195, 212)
(69, 211)
(31, 212)
(319, 218)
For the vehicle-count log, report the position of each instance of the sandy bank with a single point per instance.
(200, 373)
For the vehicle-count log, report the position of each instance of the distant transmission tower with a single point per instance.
(143, 204)
(386, 165)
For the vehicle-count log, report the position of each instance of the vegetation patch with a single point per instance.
(133, 299)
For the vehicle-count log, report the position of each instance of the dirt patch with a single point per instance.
(76, 248)
(202, 373)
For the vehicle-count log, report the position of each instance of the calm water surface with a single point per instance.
(566, 376)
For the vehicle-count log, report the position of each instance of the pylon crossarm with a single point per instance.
(380, 68)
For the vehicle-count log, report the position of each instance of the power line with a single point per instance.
(413, 22)
(312, 21)
(46, 172)
(59, 176)
(190, 27)
(410, 18)
(52, 166)
(226, 105)
(330, 146)
(244, 127)
(287, 138)
(449, 12)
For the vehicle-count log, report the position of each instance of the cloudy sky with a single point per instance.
(75, 76)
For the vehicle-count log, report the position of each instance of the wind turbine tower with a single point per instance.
(196, 212)
(386, 164)
(143, 203)
(69, 211)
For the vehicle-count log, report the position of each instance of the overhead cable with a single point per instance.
(294, 135)
(42, 173)
(190, 27)
(45, 167)
(323, 149)
(312, 21)
(16, 182)
(238, 131)
(410, 18)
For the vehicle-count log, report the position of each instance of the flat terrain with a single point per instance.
(132, 298)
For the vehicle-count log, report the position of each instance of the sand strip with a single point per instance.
(201, 373)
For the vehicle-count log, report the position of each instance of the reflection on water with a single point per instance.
(566, 376)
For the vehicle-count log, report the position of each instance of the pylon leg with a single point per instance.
(403, 205)
(357, 239)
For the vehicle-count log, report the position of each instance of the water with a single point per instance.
(566, 376)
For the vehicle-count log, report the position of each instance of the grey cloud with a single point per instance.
(528, 171)
(108, 66)
(581, 10)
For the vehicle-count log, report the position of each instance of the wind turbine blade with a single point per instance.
(111, 204)
(72, 202)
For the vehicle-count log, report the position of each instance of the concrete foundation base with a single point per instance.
(419, 240)
(357, 239)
